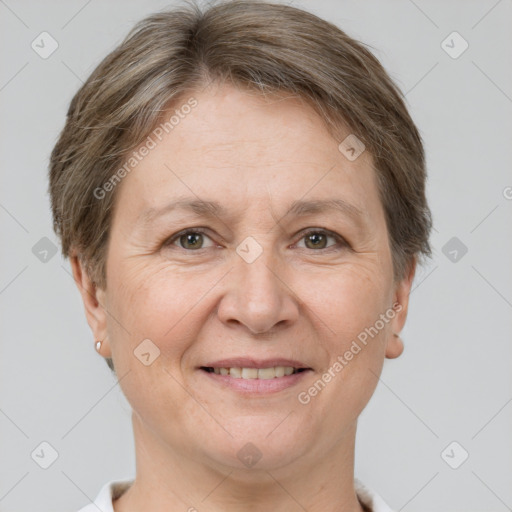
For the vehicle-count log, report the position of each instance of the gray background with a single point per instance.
(453, 382)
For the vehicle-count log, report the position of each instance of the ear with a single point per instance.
(395, 345)
(94, 301)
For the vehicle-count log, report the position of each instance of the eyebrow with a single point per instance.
(210, 209)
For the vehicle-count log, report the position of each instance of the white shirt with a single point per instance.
(114, 489)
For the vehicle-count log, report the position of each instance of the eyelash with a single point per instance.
(341, 242)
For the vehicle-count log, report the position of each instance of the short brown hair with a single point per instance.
(259, 45)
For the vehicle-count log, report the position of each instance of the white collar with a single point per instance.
(115, 488)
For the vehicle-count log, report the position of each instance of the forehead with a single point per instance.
(234, 121)
(235, 145)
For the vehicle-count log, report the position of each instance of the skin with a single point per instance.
(297, 300)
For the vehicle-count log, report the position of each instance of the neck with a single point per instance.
(170, 479)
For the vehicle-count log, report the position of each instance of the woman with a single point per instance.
(241, 193)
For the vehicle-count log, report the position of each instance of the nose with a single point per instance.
(259, 296)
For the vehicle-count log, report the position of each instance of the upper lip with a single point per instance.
(247, 362)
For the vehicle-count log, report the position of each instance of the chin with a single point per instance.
(259, 443)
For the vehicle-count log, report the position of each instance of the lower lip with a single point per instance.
(257, 386)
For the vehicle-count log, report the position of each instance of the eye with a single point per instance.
(317, 239)
(196, 239)
(190, 240)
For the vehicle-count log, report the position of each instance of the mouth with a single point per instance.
(271, 372)
(249, 376)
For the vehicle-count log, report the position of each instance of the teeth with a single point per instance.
(279, 371)
(249, 373)
(235, 372)
(266, 373)
(256, 373)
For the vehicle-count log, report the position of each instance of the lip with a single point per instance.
(255, 386)
(248, 362)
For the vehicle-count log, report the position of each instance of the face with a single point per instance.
(245, 244)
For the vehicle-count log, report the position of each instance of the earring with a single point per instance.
(98, 345)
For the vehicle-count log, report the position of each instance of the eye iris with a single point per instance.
(318, 240)
(193, 239)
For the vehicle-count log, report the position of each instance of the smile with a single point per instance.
(255, 373)
(255, 381)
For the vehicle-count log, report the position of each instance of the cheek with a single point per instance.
(152, 303)
(353, 335)
(158, 302)
(362, 325)
(351, 299)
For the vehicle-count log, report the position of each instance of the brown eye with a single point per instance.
(318, 239)
(191, 240)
